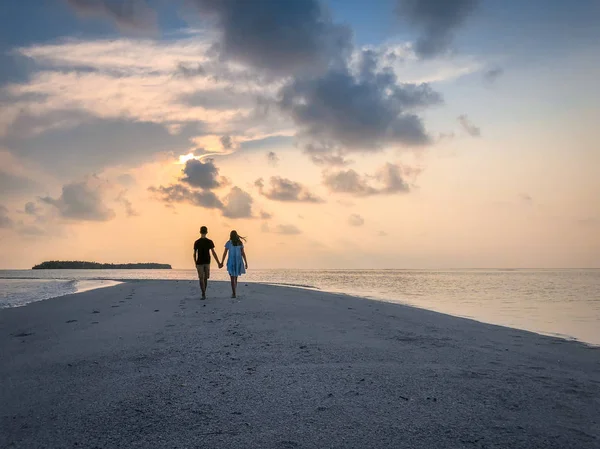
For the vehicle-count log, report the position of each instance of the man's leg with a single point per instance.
(201, 279)
(206, 277)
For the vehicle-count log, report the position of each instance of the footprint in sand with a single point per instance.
(24, 334)
(71, 321)
(114, 306)
(96, 311)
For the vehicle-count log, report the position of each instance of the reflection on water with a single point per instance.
(556, 302)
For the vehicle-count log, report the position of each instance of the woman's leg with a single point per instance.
(232, 286)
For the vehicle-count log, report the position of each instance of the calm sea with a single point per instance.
(563, 303)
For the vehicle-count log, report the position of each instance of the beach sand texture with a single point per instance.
(146, 364)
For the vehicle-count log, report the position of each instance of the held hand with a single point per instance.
(246, 266)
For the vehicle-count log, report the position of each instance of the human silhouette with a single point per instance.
(202, 249)
(237, 263)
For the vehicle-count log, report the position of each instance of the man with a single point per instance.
(202, 249)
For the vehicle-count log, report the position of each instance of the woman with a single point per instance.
(236, 263)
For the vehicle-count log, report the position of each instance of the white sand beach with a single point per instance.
(146, 364)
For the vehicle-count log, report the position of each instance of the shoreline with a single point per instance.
(379, 298)
(147, 364)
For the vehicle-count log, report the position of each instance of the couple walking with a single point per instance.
(236, 262)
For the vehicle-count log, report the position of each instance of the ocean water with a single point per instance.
(563, 303)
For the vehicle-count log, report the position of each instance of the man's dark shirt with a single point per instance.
(203, 246)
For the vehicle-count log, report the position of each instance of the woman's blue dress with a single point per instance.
(235, 262)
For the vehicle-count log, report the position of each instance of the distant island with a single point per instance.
(80, 265)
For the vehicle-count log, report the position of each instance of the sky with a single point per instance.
(353, 134)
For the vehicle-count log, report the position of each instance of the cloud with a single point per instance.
(389, 179)
(226, 142)
(281, 37)
(281, 229)
(356, 220)
(265, 215)
(127, 14)
(272, 158)
(178, 193)
(287, 230)
(93, 144)
(437, 21)
(32, 209)
(11, 184)
(326, 155)
(361, 112)
(492, 75)
(411, 68)
(382, 234)
(129, 209)
(5, 221)
(237, 204)
(31, 230)
(472, 130)
(348, 181)
(202, 174)
(82, 201)
(282, 189)
(126, 180)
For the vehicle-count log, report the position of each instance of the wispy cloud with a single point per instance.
(282, 189)
(468, 126)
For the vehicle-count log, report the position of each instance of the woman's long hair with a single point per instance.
(236, 239)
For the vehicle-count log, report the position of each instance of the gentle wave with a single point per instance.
(19, 292)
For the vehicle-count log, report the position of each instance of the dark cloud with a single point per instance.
(32, 209)
(472, 130)
(226, 142)
(493, 74)
(272, 158)
(393, 178)
(390, 179)
(127, 14)
(282, 189)
(81, 201)
(362, 112)
(92, 144)
(348, 181)
(238, 204)
(11, 184)
(282, 37)
(326, 155)
(356, 220)
(5, 220)
(219, 99)
(191, 71)
(437, 21)
(178, 193)
(204, 175)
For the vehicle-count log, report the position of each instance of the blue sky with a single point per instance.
(465, 129)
